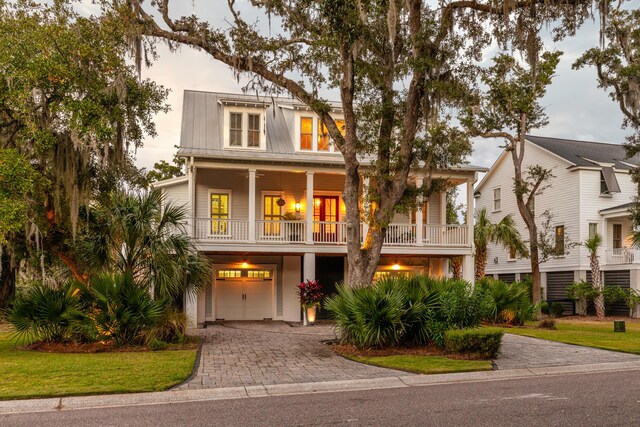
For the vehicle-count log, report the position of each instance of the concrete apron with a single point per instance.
(181, 396)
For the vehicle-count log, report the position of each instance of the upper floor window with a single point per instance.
(253, 132)
(497, 199)
(244, 128)
(425, 213)
(593, 229)
(306, 133)
(512, 253)
(617, 236)
(560, 240)
(235, 129)
(323, 137)
(608, 182)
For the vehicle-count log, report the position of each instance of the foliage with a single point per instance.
(404, 310)
(157, 345)
(504, 232)
(582, 293)
(547, 323)
(121, 310)
(632, 300)
(508, 303)
(143, 236)
(483, 343)
(172, 327)
(310, 293)
(50, 314)
(18, 182)
(163, 170)
(613, 294)
(556, 309)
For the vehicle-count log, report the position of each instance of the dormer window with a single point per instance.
(244, 128)
(608, 182)
(253, 135)
(235, 129)
(306, 133)
(323, 137)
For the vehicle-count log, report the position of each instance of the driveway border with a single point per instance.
(196, 364)
(199, 395)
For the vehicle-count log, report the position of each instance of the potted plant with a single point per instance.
(310, 294)
(280, 202)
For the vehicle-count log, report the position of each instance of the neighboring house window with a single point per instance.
(272, 212)
(425, 212)
(512, 253)
(235, 129)
(323, 137)
(341, 126)
(219, 213)
(253, 134)
(617, 236)
(608, 182)
(593, 229)
(497, 201)
(306, 133)
(532, 207)
(560, 239)
(603, 185)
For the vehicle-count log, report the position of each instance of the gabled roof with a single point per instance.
(586, 153)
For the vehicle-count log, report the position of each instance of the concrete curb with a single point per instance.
(199, 395)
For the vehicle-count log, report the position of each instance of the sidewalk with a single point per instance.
(181, 396)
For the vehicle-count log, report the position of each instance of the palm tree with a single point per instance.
(485, 232)
(142, 236)
(592, 244)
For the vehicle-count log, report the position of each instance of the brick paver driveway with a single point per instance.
(525, 352)
(263, 353)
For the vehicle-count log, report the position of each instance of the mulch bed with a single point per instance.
(100, 347)
(427, 350)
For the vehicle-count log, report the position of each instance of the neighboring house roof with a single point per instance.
(202, 123)
(587, 153)
(579, 154)
(623, 206)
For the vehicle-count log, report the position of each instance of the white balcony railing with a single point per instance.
(335, 233)
(622, 256)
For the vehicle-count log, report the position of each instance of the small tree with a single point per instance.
(592, 244)
(485, 232)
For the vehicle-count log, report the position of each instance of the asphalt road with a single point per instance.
(586, 399)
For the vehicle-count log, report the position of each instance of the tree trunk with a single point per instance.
(480, 262)
(597, 285)
(456, 267)
(7, 280)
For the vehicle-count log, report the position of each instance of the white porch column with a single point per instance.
(191, 309)
(365, 207)
(309, 213)
(252, 205)
(470, 212)
(443, 208)
(191, 172)
(419, 214)
(309, 266)
(467, 268)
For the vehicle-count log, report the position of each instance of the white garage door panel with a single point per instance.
(255, 305)
(258, 300)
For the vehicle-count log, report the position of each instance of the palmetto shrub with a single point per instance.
(47, 313)
(507, 303)
(121, 310)
(404, 310)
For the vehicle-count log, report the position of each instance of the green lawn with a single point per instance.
(26, 374)
(425, 364)
(586, 333)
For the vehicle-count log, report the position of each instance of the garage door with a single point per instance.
(557, 283)
(244, 294)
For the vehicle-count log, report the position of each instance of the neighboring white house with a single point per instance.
(264, 189)
(591, 192)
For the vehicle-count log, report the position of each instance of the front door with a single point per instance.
(325, 218)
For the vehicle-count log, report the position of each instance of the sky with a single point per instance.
(576, 107)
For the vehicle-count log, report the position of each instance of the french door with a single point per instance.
(325, 218)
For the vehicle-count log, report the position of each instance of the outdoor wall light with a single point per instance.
(298, 207)
(395, 266)
(245, 264)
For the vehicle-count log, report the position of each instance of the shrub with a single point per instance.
(310, 293)
(121, 310)
(582, 293)
(556, 309)
(544, 307)
(508, 303)
(404, 310)
(547, 323)
(50, 314)
(172, 327)
(483, 343)
(632, 300)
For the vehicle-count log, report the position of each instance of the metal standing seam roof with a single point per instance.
(584, 153)
(202, 127)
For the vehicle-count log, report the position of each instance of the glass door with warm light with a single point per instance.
(325, 218)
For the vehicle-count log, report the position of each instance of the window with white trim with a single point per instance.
(253, 131)
(306, 133)
(244, 128)
(235, 129)
(593, 229)
(497, 199)
(219, 207)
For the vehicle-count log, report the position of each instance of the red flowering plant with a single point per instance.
(310, 293)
